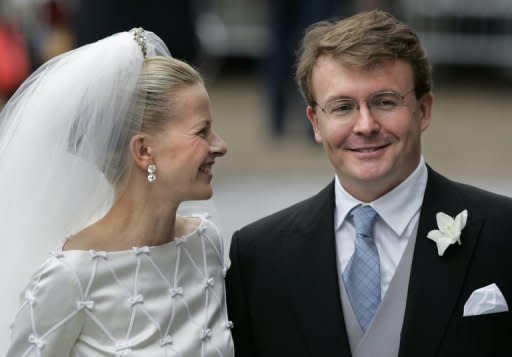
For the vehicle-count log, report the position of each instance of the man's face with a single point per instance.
(373, 150)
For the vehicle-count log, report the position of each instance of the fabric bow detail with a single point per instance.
(209, 283)
(165, 341)
(181, 240)
(142, 250)
(138, 299)
(206, 334)
(89, 304)
(29, 297)
(39, 343)
(176, 291)
(98, 254)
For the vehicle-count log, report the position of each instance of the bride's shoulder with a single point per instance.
(201, 224)
(186, 225)
(94, 237)
(60, 273)
(81, 241)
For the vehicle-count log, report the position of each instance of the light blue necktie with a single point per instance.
(362, 274)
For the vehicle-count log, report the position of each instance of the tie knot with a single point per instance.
(363, 218)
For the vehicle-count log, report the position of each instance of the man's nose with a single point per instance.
(365, 122)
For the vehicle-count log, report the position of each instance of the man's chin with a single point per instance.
(371, 173)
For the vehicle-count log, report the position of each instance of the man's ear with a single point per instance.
(140, 151)
(313, 119)
(426, 102)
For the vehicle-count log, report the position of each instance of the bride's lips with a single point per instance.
(206, 168)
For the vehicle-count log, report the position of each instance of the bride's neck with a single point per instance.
(133, 221)
(141, 223)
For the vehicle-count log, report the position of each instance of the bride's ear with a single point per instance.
(140, 151)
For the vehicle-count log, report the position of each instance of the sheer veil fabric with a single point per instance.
(60, 136)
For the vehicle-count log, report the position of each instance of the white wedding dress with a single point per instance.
(166, 300)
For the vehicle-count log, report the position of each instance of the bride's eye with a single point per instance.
(203, 132)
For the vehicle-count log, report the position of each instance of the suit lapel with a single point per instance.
(313, 278)
(435, 281)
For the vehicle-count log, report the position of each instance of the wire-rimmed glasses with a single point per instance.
(381, 105)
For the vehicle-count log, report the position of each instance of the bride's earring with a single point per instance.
(151, 173)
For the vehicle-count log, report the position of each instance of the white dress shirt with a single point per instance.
(397, 221)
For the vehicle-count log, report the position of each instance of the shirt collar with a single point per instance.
(396, 208)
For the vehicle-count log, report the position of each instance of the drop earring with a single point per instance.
(151, 173)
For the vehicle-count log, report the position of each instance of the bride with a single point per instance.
(102, 145)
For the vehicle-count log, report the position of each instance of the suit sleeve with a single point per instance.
(238, 310)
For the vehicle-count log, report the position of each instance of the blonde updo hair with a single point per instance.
(160, 80)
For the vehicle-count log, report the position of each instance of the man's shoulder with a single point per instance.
(486, 201)
(480, 194)
(478, 199)
(291, 217)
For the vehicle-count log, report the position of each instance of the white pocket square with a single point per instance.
(486, 300)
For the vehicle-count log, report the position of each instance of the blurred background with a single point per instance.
(245, 49)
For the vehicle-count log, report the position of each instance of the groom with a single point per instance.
(391, 258)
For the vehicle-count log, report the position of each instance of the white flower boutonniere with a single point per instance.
(449, 230)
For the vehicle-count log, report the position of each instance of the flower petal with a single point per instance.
(435, 235)
(442, 245)
(461, 219)
(443, 221)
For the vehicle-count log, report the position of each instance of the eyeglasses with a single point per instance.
(381, 105)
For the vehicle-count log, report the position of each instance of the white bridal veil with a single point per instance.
(60, 136)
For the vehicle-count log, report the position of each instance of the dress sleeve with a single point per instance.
(49, 318)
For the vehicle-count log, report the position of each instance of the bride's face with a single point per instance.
(185, 150)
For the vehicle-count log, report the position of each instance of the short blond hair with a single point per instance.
(363, 40)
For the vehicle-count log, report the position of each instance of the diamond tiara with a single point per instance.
(139, 36)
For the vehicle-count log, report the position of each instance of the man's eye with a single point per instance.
(342, 107)
(385, 103)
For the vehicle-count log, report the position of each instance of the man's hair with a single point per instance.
(363, 40)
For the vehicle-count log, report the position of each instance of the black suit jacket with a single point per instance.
(283, 294)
